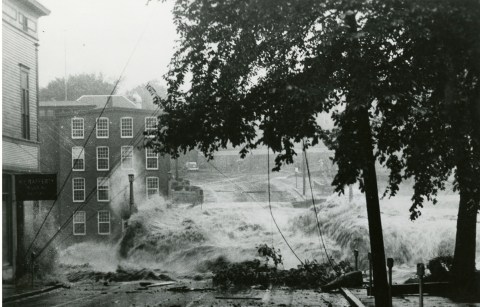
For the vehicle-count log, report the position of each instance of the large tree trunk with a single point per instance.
(465, 243)
(373, 213)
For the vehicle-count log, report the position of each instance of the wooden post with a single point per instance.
(370, 281)
(390, 283)
(420, 273)
(304, 171)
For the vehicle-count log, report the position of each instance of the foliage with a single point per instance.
(440, 268)
(270, 253)
(140, 94)
(257, 73)
(309, 275)
(261, 72)
(77, 85)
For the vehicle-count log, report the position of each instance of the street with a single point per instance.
(132, 294)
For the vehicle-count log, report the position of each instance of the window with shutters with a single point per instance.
(25, 103)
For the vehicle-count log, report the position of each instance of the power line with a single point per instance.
(270, 206)
(278, 228)
(315, 209)
(87, 199)
(90, 134)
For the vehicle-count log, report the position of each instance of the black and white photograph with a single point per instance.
(187, 153)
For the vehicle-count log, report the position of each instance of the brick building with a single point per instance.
(94, 162)
(20, 154)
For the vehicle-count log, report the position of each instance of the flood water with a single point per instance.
(182, 239)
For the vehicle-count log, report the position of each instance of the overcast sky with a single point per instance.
(100, 36)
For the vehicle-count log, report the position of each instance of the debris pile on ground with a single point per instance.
(121, 274)
(309, 275)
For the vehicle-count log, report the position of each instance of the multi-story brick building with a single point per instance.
(93, 150)
(19, 135)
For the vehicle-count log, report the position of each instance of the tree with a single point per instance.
(272, 66)
(77, 85)
(141, 93)
(435, 118)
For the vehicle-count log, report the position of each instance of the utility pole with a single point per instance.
(304, 171)
(369, 176)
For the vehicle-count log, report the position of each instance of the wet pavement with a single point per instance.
(132, 294)
(411, 300)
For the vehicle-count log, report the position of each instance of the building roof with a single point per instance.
(114, 101)
(95, 101)
(36, 6)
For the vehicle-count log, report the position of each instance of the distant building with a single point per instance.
(94, 162)
(21, 150)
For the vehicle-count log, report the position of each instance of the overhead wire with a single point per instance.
(90, 134)
(278, 228)
(271, 212)
(87, 198)
(330, 261)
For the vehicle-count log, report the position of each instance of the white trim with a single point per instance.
(147, 157)
(73, 190)
(108, 158)
(83, 127)
(147, 129)
(98, 222)
(106, 182)
(107, 129)
(122, 156)
(80, 156)
(84, 224)
(121, 128)
(157, 189)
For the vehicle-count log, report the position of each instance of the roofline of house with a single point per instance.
(39, 8)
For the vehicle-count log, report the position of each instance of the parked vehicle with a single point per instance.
(191, 166)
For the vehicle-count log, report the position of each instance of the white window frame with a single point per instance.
(157, 189)
(148, 128)
(79, 156)
(123, 156)
(107, 130)
(103, 222)
(103, 158)
(73, 189)
(78, 129)
(84, 222)
(123, 131)
(150, 157)
(103, 187)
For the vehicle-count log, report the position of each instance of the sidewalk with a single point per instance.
(12, 292)
(410, 300)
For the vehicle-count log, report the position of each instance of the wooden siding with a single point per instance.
(18, 48)
(20, 156)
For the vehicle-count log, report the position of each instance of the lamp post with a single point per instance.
(130, 179)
